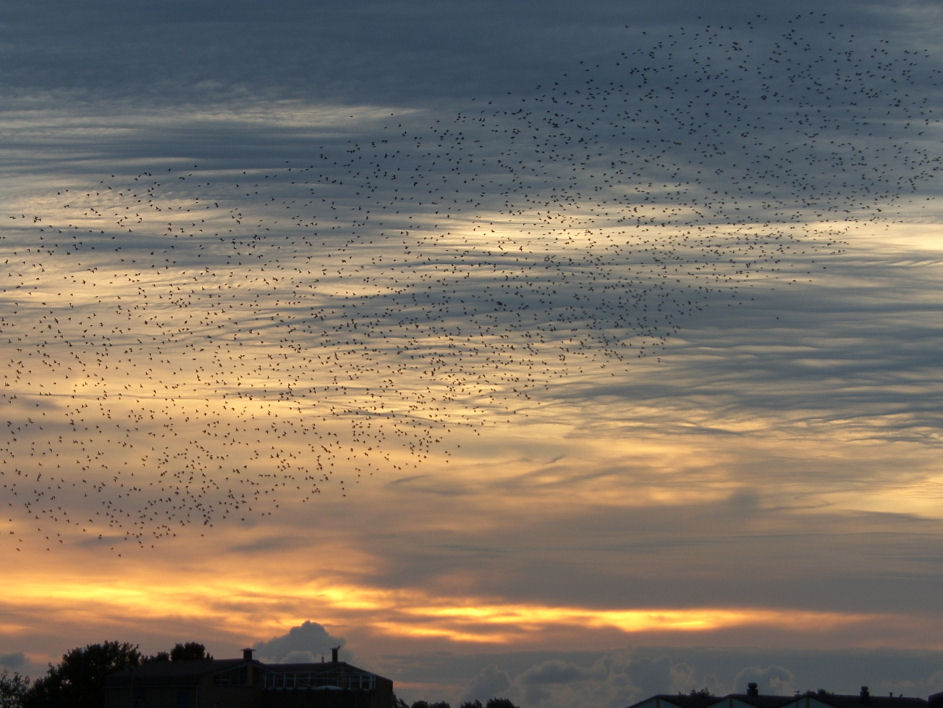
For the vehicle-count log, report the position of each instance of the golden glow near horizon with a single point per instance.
(268, 609)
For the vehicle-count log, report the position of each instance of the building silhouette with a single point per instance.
(247, 683)
(818, 699)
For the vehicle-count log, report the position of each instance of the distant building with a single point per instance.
(821, 699)
(864, 699)
(247, 683)
(679, 700)
(751, 699)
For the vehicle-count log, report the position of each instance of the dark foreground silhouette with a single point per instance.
(116, 673)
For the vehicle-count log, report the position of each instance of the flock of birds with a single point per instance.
(191, 344)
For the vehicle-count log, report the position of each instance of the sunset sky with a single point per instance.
(567, 352)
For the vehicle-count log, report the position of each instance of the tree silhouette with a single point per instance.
(701, 693)
(499, 703)
(13, 688)
(79, 679)
(191, 651)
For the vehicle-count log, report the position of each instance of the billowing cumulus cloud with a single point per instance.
(775, 680)
(305, 643)
(490, 682)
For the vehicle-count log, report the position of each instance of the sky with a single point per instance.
(565, 352)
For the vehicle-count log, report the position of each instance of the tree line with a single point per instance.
(79, 679)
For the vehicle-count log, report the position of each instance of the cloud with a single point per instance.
(490, 682)
(775, 680)
(508, 311)
(15, 660)
(308, 642)
(557, 671)
(614, 679)
(609, 679)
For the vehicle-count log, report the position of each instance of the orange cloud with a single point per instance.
(253, 608)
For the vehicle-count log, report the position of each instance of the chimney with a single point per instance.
(864, 696)
(752, 689)
(247, 657)
(334, 651)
